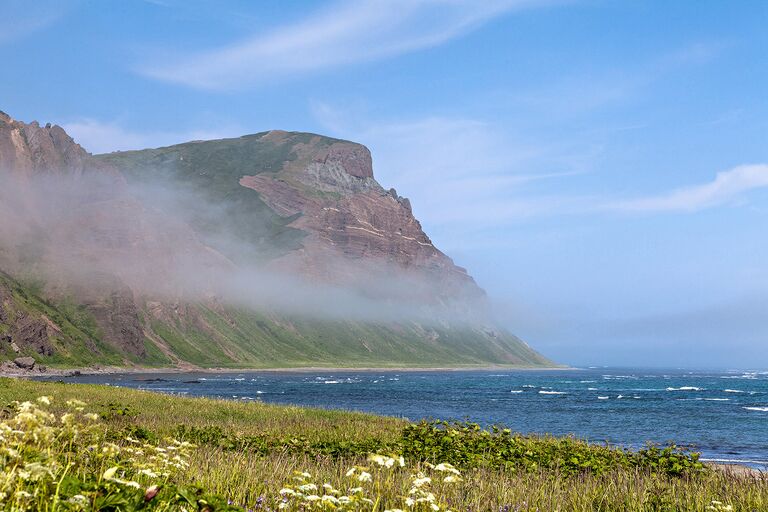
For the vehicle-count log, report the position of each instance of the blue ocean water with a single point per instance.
(724, 415)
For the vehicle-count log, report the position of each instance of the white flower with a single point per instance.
(364, 476)
(447, 468)
(351, 472)
(287, 492)
(451, 479)
(149, 473)
(421, 481)
(44, 400)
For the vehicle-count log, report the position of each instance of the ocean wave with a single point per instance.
(685, 388)
(516, 391)
(603, 397)
(552, 392)
(591, 389)
(759, 409)
(738, 461)
(733, 391)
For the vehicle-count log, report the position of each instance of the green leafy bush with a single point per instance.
(467, 445)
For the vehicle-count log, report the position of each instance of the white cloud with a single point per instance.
(347, 32)
(728, 186)
(104, 137)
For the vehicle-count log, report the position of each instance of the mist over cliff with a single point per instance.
(178, 245)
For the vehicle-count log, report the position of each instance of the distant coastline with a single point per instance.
(8, 371)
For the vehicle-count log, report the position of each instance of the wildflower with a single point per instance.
(110, 473)
(44, 400)
(287, 492)
(364, 476)
(421, 481)
(447, 468)
(452, 479)
(351, 472)
(75, 403)
(151, 493)
(381, 460)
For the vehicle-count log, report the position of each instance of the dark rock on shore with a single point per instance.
(25, 363)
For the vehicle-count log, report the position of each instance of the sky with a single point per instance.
(600, 167)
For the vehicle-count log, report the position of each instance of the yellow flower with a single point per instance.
(110, 473)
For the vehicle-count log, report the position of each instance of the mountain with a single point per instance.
(276, 249)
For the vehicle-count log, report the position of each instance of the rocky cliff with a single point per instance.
(98, 280)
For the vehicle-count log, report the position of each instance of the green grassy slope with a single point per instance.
(73, 334)
(211, 170)
(238, 338)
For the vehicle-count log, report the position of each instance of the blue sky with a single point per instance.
(601, 167)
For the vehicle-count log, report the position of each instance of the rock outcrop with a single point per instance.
(29, 149)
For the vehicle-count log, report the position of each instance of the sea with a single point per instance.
(721, 414)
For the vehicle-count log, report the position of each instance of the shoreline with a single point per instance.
(116, 370)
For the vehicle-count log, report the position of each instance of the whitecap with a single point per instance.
(732, 391)
(591, 389)
(528, 386)
(587, 381)
(759, 409)
(685, 388)
(332, 382)
(603, 397)
(516, 391)
(551, 392)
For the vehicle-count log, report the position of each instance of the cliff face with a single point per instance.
(352, 223)
(97, 280)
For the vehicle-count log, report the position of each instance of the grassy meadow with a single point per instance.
(255, 456)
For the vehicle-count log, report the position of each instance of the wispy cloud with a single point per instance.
(103, 137)
(727, 187)
(348, 32)
(19, 18)
(463, 173)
